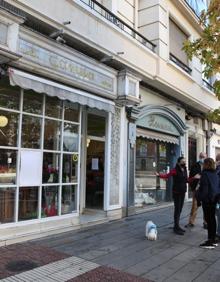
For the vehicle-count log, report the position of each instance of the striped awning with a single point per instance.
(157, 136)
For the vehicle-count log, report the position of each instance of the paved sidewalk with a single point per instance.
(118, 251)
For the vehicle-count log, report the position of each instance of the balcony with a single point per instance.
(101, 10)
(180, 64)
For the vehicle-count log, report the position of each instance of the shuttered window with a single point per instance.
(177, 37)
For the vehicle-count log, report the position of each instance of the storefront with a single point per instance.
(160, 141)
(60, 145)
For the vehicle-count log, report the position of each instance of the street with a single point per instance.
(116, 251)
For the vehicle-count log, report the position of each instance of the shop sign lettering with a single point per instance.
(158, 123)
(66, 66)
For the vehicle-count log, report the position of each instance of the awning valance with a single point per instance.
(54, 89)
(157, 136)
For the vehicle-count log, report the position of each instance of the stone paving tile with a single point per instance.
(34, 253)
(106, 274)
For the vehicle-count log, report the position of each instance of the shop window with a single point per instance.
(51, 168)
(33, 102)
(70, 167)
(7, 205)
(8, 159)
(52, 130)
(49, 201)
(8, 128)
(71, 112)
(53, 107)
(9, 96)
(28, 203)
(69, 199)
(31, 132)
(70, 137)
(96, 126)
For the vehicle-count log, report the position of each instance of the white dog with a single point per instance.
(151, 231)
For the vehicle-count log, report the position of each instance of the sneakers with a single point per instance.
(189, 225)
(215, 243)
(181, 229)
(207, 245)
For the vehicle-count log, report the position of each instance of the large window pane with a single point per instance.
(52, 135)
(7, 204)
(8, 128)
(53, 107)
(31, 132)
(69, 199)
(96, 126)
(70, 137)
(8, 161)
(9, 96)
(49, 201)
(51, 168)
(71, 112)
(70, 167)
(33, 102)
(28, 203)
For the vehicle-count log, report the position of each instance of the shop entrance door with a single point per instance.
(95, 162)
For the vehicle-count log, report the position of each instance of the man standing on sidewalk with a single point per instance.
(194, 174)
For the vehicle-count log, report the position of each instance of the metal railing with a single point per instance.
(108, 15)
(208, 85)
(180, 64)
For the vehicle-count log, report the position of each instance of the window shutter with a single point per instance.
(177, 37)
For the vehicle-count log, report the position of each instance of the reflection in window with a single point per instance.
(49, 201)
(71, 112)
(52, 135)
(8, 129)
(7, 205)
(51, 168)
(70, 166)
(33, 102)
(53, 107)
(31, 132)
(9, 96)
(28, 203)
(70, 137)
(68, 199)
(8, 159)
(198, 5)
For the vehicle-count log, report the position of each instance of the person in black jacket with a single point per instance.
(194, 174)
(207, 194)
(180, 179)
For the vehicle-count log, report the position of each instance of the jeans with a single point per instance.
(178, 199)
(209, 214)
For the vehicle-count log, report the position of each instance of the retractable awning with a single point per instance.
(157, 136)
(54, 89)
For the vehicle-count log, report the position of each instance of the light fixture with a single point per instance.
(3, 121)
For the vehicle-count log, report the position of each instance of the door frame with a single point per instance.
(84, 137)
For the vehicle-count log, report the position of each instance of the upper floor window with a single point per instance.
(198, 5)
(177, 37)
(3, 33)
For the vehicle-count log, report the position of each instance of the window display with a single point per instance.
(9, 128)
(68, 199)
(51, 168)
(33, 102)
(7, 205)
(8, 160)
(28, 203)
(49, 201)
(70, 137)
(70, 167)
(52, 129)
(31, 132)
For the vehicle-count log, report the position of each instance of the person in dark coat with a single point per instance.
(218, 205)
(180, 179)
(207, 193)
(194, 174)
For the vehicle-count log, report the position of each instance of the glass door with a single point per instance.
(95, 161)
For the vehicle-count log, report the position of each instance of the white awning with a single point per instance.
(157, 136)
(53, 89)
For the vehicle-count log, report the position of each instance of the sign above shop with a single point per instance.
(159, 123)
(80, 71)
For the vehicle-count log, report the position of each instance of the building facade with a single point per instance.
(90, 109)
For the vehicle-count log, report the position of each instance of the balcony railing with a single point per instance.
(180, 64)
(108, 15)
(208, 85)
